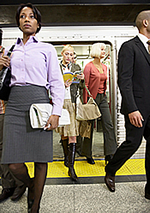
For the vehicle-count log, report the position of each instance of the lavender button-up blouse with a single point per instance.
(36, 63)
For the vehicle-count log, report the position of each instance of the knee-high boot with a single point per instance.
(65, 150)
(71, 158)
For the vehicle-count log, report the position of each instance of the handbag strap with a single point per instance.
(88, 91)
(4, 71)
(78, 93)
(10, 50)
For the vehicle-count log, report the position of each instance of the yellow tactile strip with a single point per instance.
(83, 169)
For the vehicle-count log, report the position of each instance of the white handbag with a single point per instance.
(40, 113)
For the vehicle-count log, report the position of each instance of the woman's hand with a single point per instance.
(4, 61)
(80, 76)
(68, 83)
(53, 121)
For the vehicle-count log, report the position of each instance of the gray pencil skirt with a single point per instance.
(22, 143)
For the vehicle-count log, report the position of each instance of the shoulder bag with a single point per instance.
(88, 111)
(5, 76)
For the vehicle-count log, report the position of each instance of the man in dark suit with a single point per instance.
(134, 84)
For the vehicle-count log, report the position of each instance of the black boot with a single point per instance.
(65, 149)
(71, 158)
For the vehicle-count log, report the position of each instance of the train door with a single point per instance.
(83, 57)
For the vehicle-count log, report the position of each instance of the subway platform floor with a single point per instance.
(86, 198)
(89, 194)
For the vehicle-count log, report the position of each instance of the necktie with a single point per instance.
(148, 42)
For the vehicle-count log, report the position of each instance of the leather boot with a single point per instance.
(71, 158)
(65, 149)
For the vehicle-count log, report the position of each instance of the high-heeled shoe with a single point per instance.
(108, 158)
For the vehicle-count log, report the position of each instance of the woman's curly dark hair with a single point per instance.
(36, 12)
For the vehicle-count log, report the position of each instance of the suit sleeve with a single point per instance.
(125, 76)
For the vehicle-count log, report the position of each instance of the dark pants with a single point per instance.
(110, 144)
(8, 180)
(128, 148)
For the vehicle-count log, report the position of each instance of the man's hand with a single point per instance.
(136, 118)
(53, 121)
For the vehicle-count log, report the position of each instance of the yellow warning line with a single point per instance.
(57, 169)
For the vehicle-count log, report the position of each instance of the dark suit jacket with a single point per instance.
(134, 77)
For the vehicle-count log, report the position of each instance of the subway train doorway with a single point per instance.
(83, 57)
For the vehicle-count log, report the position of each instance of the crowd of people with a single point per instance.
(34, 70)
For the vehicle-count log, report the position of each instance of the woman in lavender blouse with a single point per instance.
(35, 69)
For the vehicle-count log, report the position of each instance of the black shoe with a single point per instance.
(108, 158)
(19, 191)
(110, 182)
(6, 193)
(90, 160)
(147, 193)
